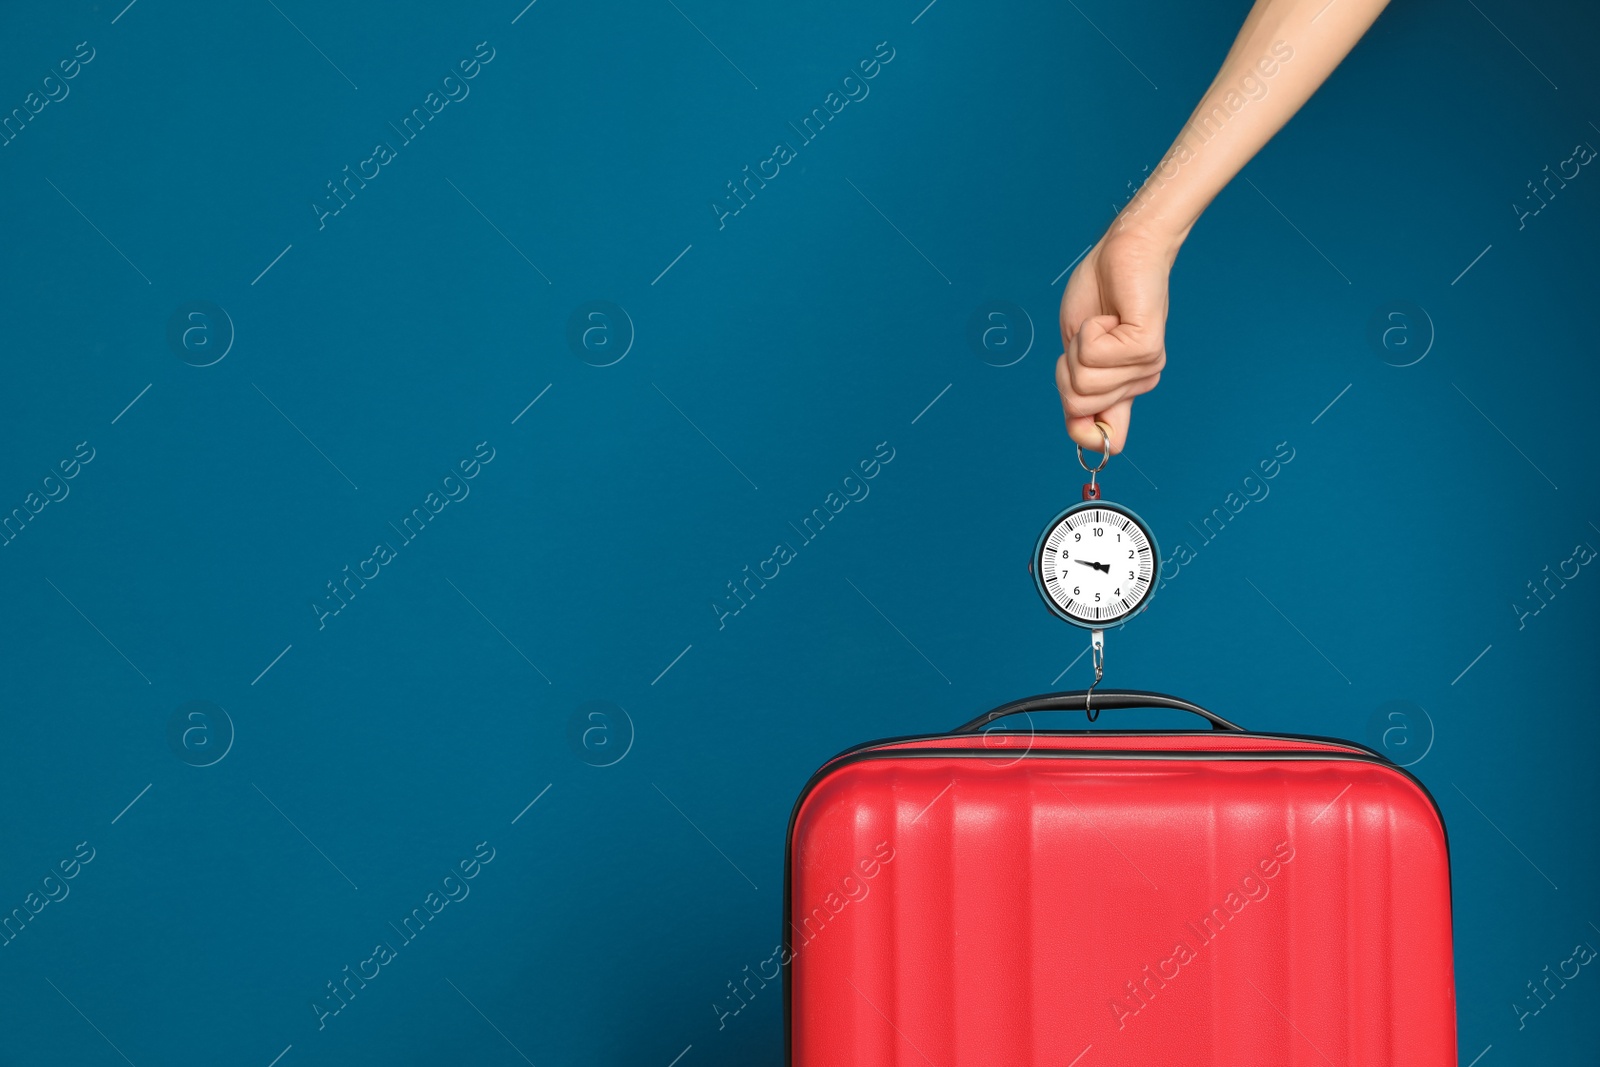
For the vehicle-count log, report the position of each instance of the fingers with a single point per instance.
(1097, 366)
(1087, 393)
(1110, 383)
(1083, 430)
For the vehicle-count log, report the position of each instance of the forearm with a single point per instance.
(1284, 51)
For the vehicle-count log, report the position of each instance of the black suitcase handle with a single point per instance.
(1076, 700)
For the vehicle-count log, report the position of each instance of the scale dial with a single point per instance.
(1096, 564)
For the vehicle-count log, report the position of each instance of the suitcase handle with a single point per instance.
(1109, 698)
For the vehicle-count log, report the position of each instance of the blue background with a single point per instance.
(367, 753)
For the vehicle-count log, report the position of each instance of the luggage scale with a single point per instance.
(1096, 564)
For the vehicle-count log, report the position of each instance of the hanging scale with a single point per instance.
(1096, 564)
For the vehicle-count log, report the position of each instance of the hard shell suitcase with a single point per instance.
(1087, 899)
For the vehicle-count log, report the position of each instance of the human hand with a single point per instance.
(1113, 330)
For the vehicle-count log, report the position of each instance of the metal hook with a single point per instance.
(1097, 643)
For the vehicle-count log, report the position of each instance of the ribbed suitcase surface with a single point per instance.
(1076, 901)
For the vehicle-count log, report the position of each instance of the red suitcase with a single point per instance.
(1087, 899)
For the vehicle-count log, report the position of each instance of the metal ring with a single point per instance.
(1105, 452)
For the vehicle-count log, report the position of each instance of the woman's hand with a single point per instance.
(1113, 330)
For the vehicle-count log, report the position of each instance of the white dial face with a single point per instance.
(1097, 565)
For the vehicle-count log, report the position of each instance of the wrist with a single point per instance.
(1170, 201)
(1164, 232)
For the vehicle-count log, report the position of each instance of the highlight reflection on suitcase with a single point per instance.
(1077, 899)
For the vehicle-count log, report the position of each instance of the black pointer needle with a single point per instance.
(1097, 566)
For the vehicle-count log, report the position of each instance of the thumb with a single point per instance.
(1092, 329)
(1113, 341)
(1083, 430)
